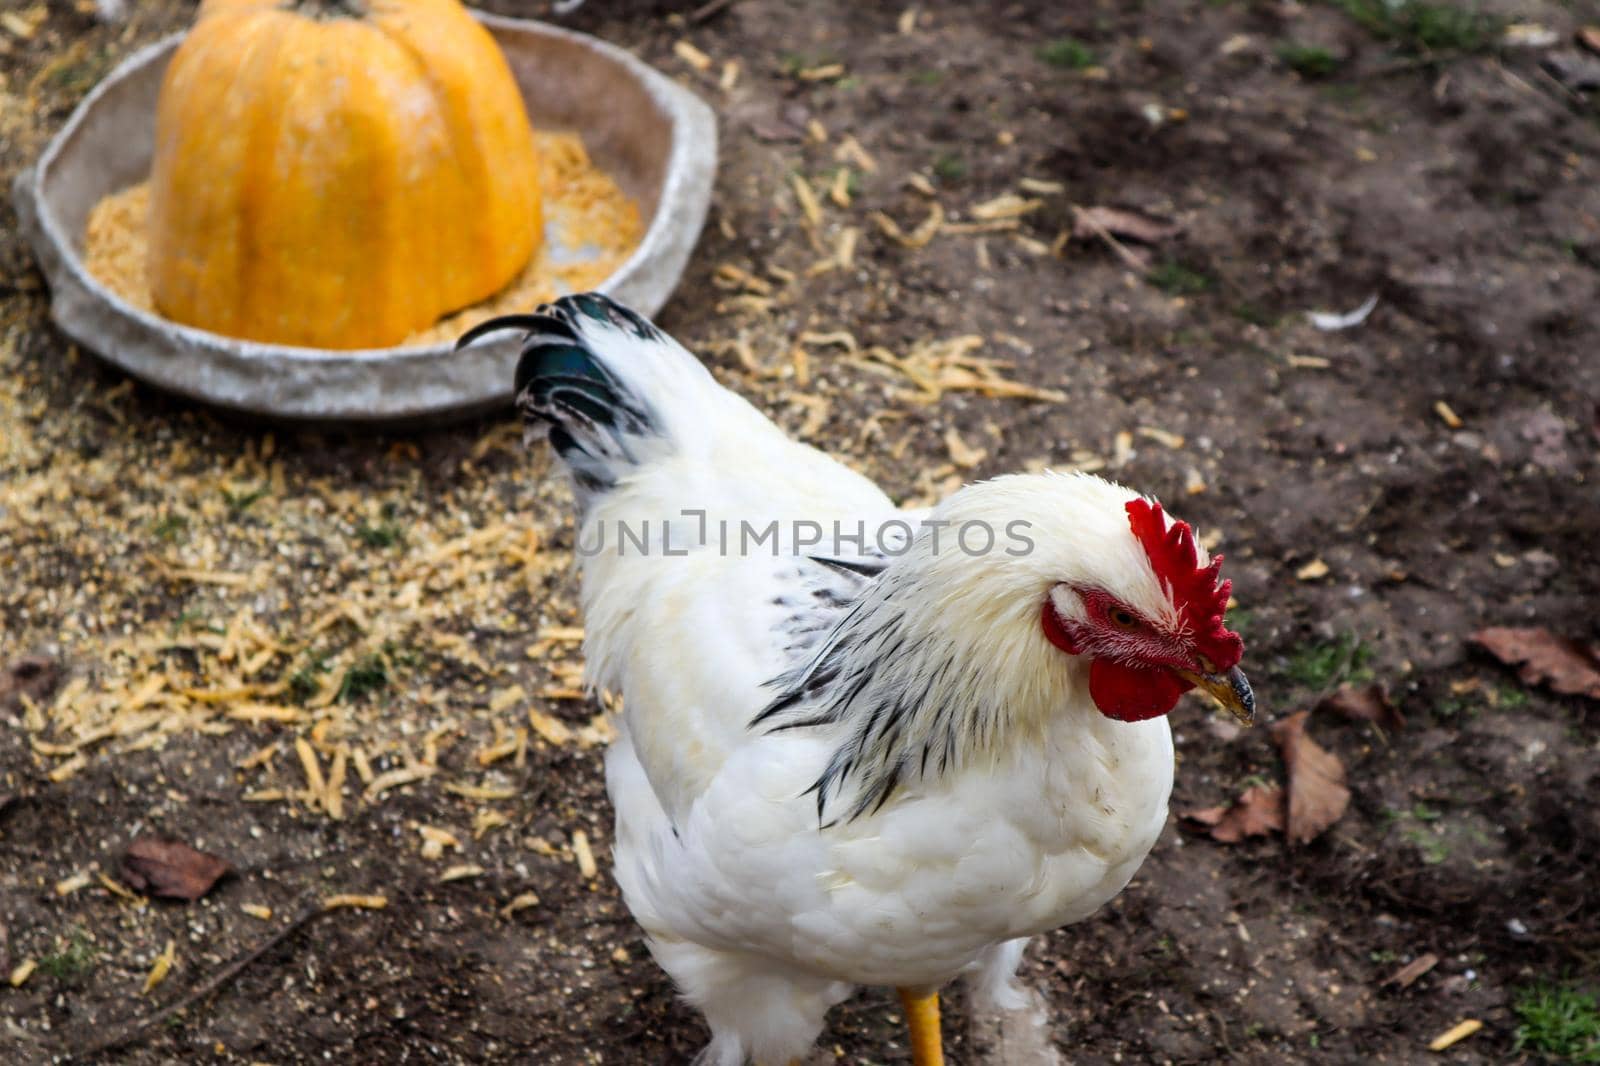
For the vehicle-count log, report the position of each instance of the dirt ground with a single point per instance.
(397, 600)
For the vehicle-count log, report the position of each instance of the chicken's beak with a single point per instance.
(1231, 690)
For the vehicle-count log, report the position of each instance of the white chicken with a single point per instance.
(860, 746)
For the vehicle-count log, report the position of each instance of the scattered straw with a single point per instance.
(358, 902)
(585, 856)
(692, 56)
(162, 965)
(520, 903)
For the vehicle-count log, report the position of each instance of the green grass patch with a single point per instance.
(1308, 60)
(1561, 1021)
(949, 168)
(80, 75)
(73, 961)
(1424, 813)
(240, 502)
(370, 673)
(303, 683)
(1420, 28)
(1176, 279)
(170, 528)
(1433, 846)
(383, 535)
(1245, 311)
(1068, 53)
(1321, 665)
(1509, 697)
(792, 63)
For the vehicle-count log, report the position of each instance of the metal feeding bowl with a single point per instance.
(657, 140)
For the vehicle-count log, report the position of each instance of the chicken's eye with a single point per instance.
(1123, 618)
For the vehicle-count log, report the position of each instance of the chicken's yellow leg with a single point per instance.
(922, 1018)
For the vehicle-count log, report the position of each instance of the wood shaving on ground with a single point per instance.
(23, 971)
(1453, 1036)
(355, 901)
(584, 855)
(520, 903)
(692, 56)
(850, 151)
(161, 967)
(917, 238)
(1312, 571)
(1009, 205)
(940, 366)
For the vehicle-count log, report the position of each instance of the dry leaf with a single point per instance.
(1256, 813)
(1089, 221)
(169, 868)
(1365, 703)
(1543, 658)
(1407, 975)
(1317, 796)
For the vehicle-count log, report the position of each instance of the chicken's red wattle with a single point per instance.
(1134, 693)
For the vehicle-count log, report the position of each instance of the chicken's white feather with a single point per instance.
(1013, 807)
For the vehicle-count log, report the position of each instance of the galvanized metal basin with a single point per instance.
(655, 138)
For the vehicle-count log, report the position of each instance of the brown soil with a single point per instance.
(1462, 188)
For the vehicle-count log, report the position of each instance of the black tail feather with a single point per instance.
(561, 383)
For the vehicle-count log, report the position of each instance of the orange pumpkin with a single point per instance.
(338, 173)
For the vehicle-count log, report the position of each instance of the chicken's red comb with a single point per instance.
(1200, 598)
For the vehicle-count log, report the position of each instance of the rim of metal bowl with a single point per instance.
(381, 386)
